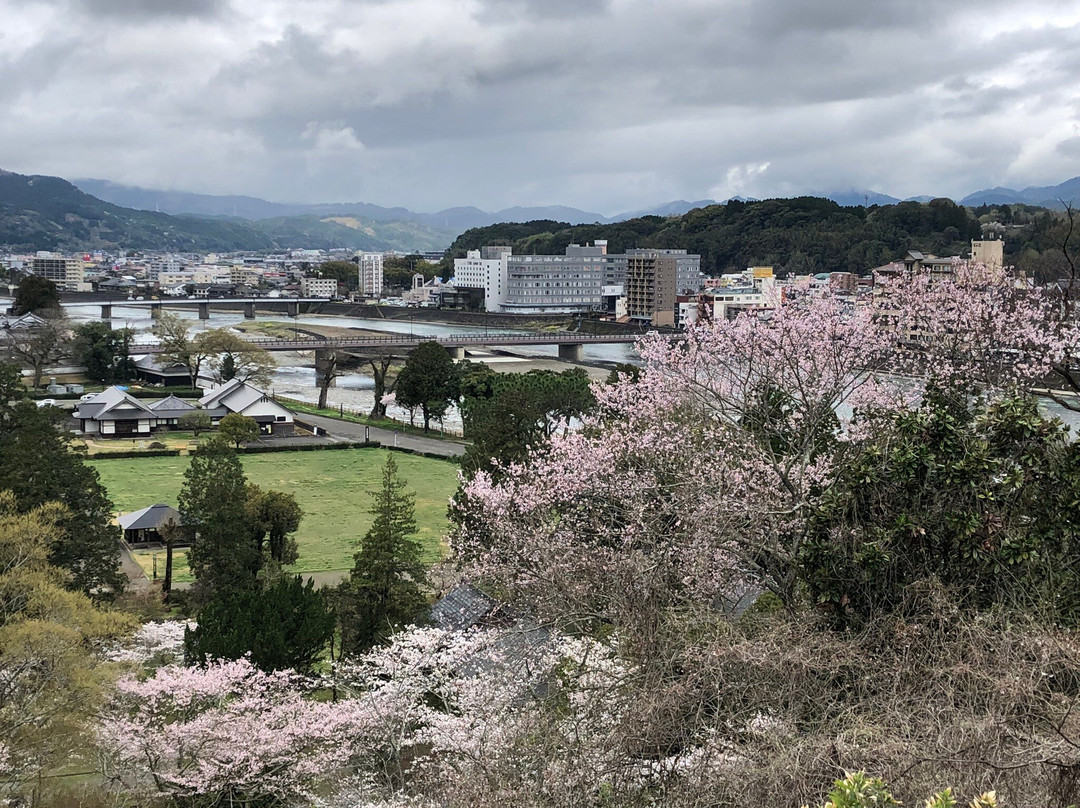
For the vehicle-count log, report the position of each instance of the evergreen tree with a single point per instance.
(224, 556)
(105, 352)
(430, 380)
(384, 591)
(285, 626)
(35, 293)
(274, 515)
(38, 465)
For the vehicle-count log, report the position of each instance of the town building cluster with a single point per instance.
(240, 274)
(651, 286)
(654, 287)
(640, 284)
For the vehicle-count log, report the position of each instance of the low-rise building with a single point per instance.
(236, 396)
(114, 413)
(990, 252)
(319, 287)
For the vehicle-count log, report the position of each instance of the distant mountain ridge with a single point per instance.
(459, 219)
(1043, 196)
(41, 212)
(49, 213)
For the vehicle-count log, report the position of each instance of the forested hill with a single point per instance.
(49, 213)
(806, 234)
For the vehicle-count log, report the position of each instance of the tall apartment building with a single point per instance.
(651, 287)
(655, 278)
(370, 273)
(66, 273)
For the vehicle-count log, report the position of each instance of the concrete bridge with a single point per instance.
(291, 305)
(571, 345)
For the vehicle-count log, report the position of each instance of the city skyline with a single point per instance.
(604, 106)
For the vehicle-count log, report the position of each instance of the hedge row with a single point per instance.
(126, 453)
(310, 447)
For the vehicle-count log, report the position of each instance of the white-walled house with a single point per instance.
(245, 399)
(114, 413)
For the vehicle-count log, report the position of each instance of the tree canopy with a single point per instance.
(429, 380)
(39, 465)
(35, 293)
(385, 589)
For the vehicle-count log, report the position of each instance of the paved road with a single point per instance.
(387, 437)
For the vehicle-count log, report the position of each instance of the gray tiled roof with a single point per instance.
(462, 608)
(149, 518)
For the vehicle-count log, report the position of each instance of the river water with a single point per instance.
(295, 376)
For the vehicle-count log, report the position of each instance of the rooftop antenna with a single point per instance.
(866, 200)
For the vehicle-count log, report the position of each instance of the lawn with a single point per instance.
(331, 486)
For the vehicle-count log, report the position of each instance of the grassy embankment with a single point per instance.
(331, 487)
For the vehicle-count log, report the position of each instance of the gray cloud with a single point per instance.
(604, 104)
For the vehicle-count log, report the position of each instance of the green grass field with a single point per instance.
(331, 486)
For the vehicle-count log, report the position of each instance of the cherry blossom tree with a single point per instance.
(228, 733)
(692, 485)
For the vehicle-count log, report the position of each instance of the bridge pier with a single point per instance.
(106, 311)
(155, 311)
(293, 309)
(249, 311)
(204, 311)
(456, 353)
(324, 364)
(573, 352)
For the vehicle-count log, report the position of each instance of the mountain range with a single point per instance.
(41, 212)
(459, 219)
(50, 213)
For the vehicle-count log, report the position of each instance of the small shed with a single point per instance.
(144, 526)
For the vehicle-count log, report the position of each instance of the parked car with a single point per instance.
(47, 402)
(88, 396)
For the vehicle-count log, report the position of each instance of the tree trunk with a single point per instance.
(379, 369)
(166, 585)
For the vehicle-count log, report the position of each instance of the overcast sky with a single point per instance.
(606, 105)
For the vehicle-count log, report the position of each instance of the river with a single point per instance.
(295, 376)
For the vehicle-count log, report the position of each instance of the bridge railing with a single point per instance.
(454, 339)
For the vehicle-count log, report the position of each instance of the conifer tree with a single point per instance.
(224, 556)
(284, 626)
(384, 591)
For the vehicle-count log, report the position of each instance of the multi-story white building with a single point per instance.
(66, 273)
(990, 253)
(165, 263)
(210, 274)
(484, 269)
(370, 268)
(170, 280)
(572, 282)
(319, 287)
